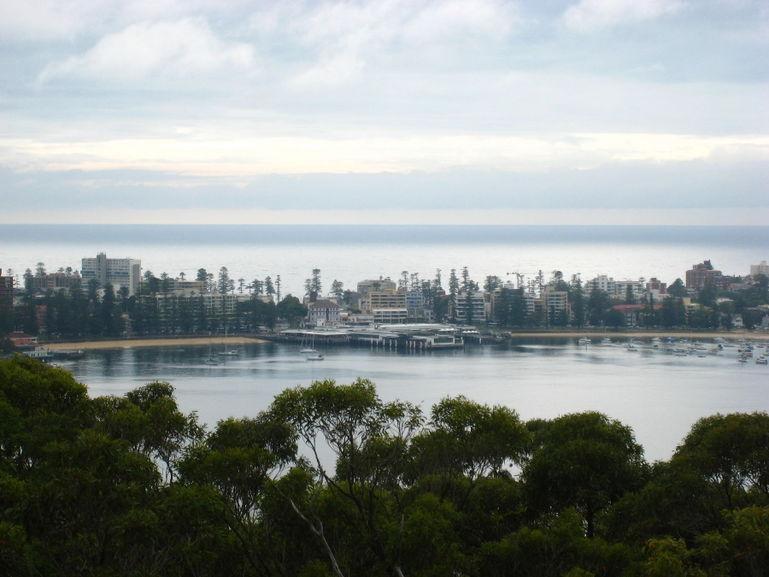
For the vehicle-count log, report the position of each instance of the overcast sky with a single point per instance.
(385, 111)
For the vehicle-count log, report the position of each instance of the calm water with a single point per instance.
(352, 253)
(658, 394)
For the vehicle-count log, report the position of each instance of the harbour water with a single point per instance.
(352, 253)
(660, 395)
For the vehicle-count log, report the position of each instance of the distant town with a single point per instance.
(114, 298)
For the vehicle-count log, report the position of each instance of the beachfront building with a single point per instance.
(419, 308)
(556, 304)
(760, 268)
(390, 315)
(323, 313)
(470, 308)
(119, 272)
(702, 275)
(192, 311)
(383, 301)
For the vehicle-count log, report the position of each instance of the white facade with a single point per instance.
(472, 309)
(323, 313)
(119, 272)
(637, 289)
(601, 282)
(392, 316)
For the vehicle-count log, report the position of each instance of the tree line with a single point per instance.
(330, 480)
(94, 311)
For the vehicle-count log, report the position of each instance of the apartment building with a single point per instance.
(119, 272)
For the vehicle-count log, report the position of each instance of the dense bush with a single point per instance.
(330, 480)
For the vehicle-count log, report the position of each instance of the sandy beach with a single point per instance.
(147, 343)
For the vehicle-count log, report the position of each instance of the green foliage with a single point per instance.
(584, 460)
(334, 481)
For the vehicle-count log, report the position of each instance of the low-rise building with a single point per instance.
(322, 313)
(390, 315)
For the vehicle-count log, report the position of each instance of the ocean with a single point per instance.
(350, 253)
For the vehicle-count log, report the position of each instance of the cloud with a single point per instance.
(239, 158)
(589, 15)
(160, 49)
(345, 36)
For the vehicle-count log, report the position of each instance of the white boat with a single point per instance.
(308, 351)
(631, 348)
(742, 360)
(762, 361)
(606, 341)
(317, 357)
(211, 361)
(231, 353)
(584, 341)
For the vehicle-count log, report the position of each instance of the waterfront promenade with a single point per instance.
(151, 343)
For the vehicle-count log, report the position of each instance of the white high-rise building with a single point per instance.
(119, 272)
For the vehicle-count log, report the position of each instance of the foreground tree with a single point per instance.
(584, 460)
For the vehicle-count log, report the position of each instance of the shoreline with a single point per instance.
(693, 335)
(151, 343)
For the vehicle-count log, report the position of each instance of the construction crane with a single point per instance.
(518, 278)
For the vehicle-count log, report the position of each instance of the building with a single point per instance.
(119, 272)
(702, 275)
(418, 306)
(215, 308)
(621, 288)
(380, 284)
(760, 268)
(55, 281)
(390, 316)
(601, 282)
(470, 309)
(556, 304)
(633, 313)
(6, 291)
(657, 289)
(323, 312)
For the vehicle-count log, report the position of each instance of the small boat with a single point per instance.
(309, 351)
(762, 360)
(742, 360)
(231, 353)
(631, 348)
(317, 357)
(584, 341)
(211, 361)
(606, 341)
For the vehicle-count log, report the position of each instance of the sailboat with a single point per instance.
(309, 350)
(225, 352)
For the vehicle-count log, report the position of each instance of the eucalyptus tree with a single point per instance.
(369, 440)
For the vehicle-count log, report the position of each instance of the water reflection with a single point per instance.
(657, 393)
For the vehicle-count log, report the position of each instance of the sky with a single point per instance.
(387, 111)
